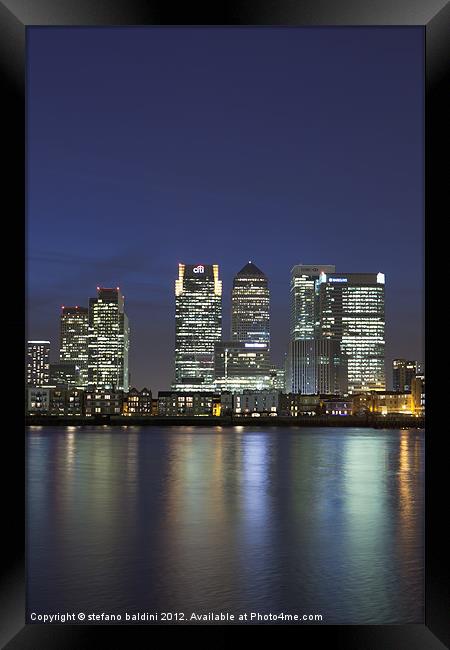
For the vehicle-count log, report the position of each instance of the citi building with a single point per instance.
(198, 325)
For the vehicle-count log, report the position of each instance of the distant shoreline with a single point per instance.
(230, 421)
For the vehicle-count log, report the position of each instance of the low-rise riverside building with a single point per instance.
(383, 403)
(38, 401)
(174, 403)
(138, 402)
(256, 403)
(335, 405)
(55, 401)
(103, 402)
(294, 404)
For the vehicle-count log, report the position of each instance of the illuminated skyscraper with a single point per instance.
(198, 325)
(250, 306)
(38, 363)
(109, 336)
(74, 339)
(311, 364)
(305, 315)
(352, 312)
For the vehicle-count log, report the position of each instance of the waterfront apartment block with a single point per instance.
(174, 403)
(198, 326)
(74, 339)
(38, 401)
(385, 403)
(250, 306)
(109, 341)
(55, 401)
(138, 402)
(103, 402)
(38, 363)
(264, 402)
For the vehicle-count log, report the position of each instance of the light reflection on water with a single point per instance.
(294, 520)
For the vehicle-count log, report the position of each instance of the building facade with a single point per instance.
(294, 404)
(65, 373)
(403, 372)
(38, 400)
(316, 366)
(256, 403)
(418, 394)
(174, 403)
(198, 325)
(305, 305)
(239, 366)
(278, 379)
(138, 402)
(250, 306)
(383, 403)
(310, 361)
(100, 402)
(38, 363)
(109, 341)
(74, 339)
(352, 312)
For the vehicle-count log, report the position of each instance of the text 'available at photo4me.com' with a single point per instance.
(174, 617)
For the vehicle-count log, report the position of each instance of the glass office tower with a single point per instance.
(198, 325)
(310, 364)
(352, 312)
(305, 316)
(250, 306)
(109, 341)
(74, 339)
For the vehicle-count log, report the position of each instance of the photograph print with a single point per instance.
(225, 374)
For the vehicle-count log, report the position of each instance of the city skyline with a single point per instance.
(199, 304)
(222, 158)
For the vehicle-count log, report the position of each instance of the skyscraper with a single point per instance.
(109, 340)
(305, 316)
(74, 339)
(38, 363)
(198, 325)
(250, 308)
(352, 312)
(310, 361)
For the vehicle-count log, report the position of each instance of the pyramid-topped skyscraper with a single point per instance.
(250, 306)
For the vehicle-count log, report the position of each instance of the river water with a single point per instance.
(189, 520)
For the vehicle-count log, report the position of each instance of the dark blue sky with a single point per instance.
(151, 146)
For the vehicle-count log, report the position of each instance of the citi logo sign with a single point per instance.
(199, 269)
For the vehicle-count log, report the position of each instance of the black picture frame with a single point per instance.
(15, 17)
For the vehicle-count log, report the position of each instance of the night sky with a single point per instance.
(153, 146)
